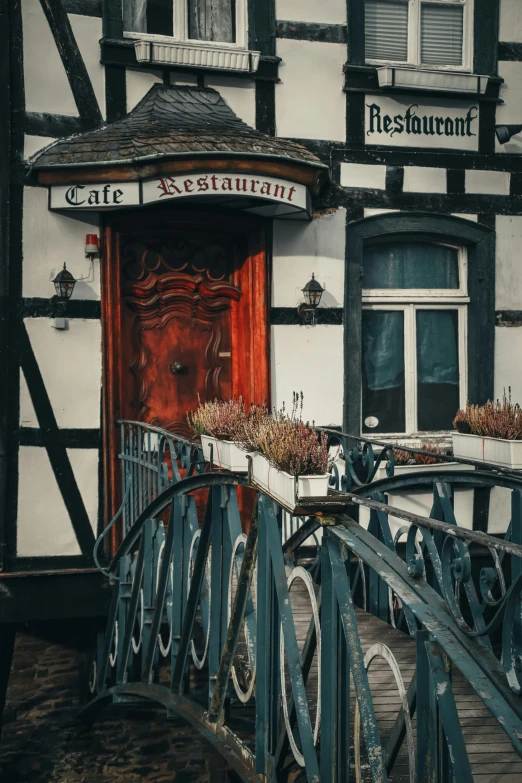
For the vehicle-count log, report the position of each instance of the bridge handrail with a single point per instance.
(401, 593)
(365, 455)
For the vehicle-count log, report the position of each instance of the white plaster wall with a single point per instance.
(487, 182)
(44, 527)
(310, 103)
(508, 284)
(70, 363)
(238, 93)
(370, 211)
(46, 85)
(331, 11)
(508, 362)
(49, 241)
(27, 411)
(138, 85)
(421, 503)
(464, 216)
(302, 248)
(499, 510)
(88, 31)
(309, 359)
(510, 21)
(510, 112)
(424, 179)
(363, 175)
(33, 144)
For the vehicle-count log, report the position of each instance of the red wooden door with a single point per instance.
(181, 293)
(177, 288)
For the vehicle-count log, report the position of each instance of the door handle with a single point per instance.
(176, 368)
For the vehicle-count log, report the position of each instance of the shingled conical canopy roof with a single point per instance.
(172, 123)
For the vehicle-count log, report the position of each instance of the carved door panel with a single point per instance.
(185, 313)
(177, 288)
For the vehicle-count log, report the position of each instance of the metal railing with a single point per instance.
(224, 624)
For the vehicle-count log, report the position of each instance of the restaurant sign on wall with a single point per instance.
(407, 122)
(223, 185)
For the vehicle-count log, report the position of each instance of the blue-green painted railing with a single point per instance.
(186, 590)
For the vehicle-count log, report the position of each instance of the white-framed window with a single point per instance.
(422, 33)
(414, 336)
(211, 22)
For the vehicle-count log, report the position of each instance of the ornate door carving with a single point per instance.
(185, 312)
(177, 291)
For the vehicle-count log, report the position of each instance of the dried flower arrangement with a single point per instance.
(283, 438)
(221, 419)
(289, 444)
(499, 419)
(420, 457)
(427, 459)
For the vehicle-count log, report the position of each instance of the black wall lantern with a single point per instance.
(64, 283)
(312, 293)
(506, 132)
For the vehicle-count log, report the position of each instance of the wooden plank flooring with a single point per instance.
(492, 757)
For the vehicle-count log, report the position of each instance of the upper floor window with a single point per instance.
(219, 21)
(424, 33)
(414, 352)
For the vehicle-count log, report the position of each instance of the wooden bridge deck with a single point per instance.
(491, 754)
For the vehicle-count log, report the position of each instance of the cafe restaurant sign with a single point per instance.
(407, 122)
(228, 185)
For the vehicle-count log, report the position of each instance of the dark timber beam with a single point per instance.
(47, 595)
(68, 438)
(5, 162)
(55, 125)
(73, 63)
(83, 7)
(7, 640)
(13, 260)
(57, 453)
(39, 307)
(310, 31)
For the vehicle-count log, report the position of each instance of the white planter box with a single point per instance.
(226, 454)
(281, 485)
(400, 77)
(506, 453)
(401, 470)
(200, 56)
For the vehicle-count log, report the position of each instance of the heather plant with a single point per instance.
(289, 444)
(401, 457)
(420, 457)
(221, 419)
(498, 419)
(426, 459)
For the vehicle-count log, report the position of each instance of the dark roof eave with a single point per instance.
(179, 156)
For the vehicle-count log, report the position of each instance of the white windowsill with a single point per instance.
(168, 51)
(407, 77)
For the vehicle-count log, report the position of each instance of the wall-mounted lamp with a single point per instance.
(506, 132)
(64, 281)
(312, 293)
(64, 284)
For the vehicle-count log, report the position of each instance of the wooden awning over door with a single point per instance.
(180, 143)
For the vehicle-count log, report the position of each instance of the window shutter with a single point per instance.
(442, 28)
(386, 30)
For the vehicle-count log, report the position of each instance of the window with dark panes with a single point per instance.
(413, 336)
(423, 33)
(212, 21)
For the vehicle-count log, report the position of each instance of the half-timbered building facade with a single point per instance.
(222, 153)
(187, 168)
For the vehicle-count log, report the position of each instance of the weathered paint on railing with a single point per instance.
(175, 584)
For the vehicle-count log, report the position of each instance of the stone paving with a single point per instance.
(43, 742)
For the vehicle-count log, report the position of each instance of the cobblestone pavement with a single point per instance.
(43, 742)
